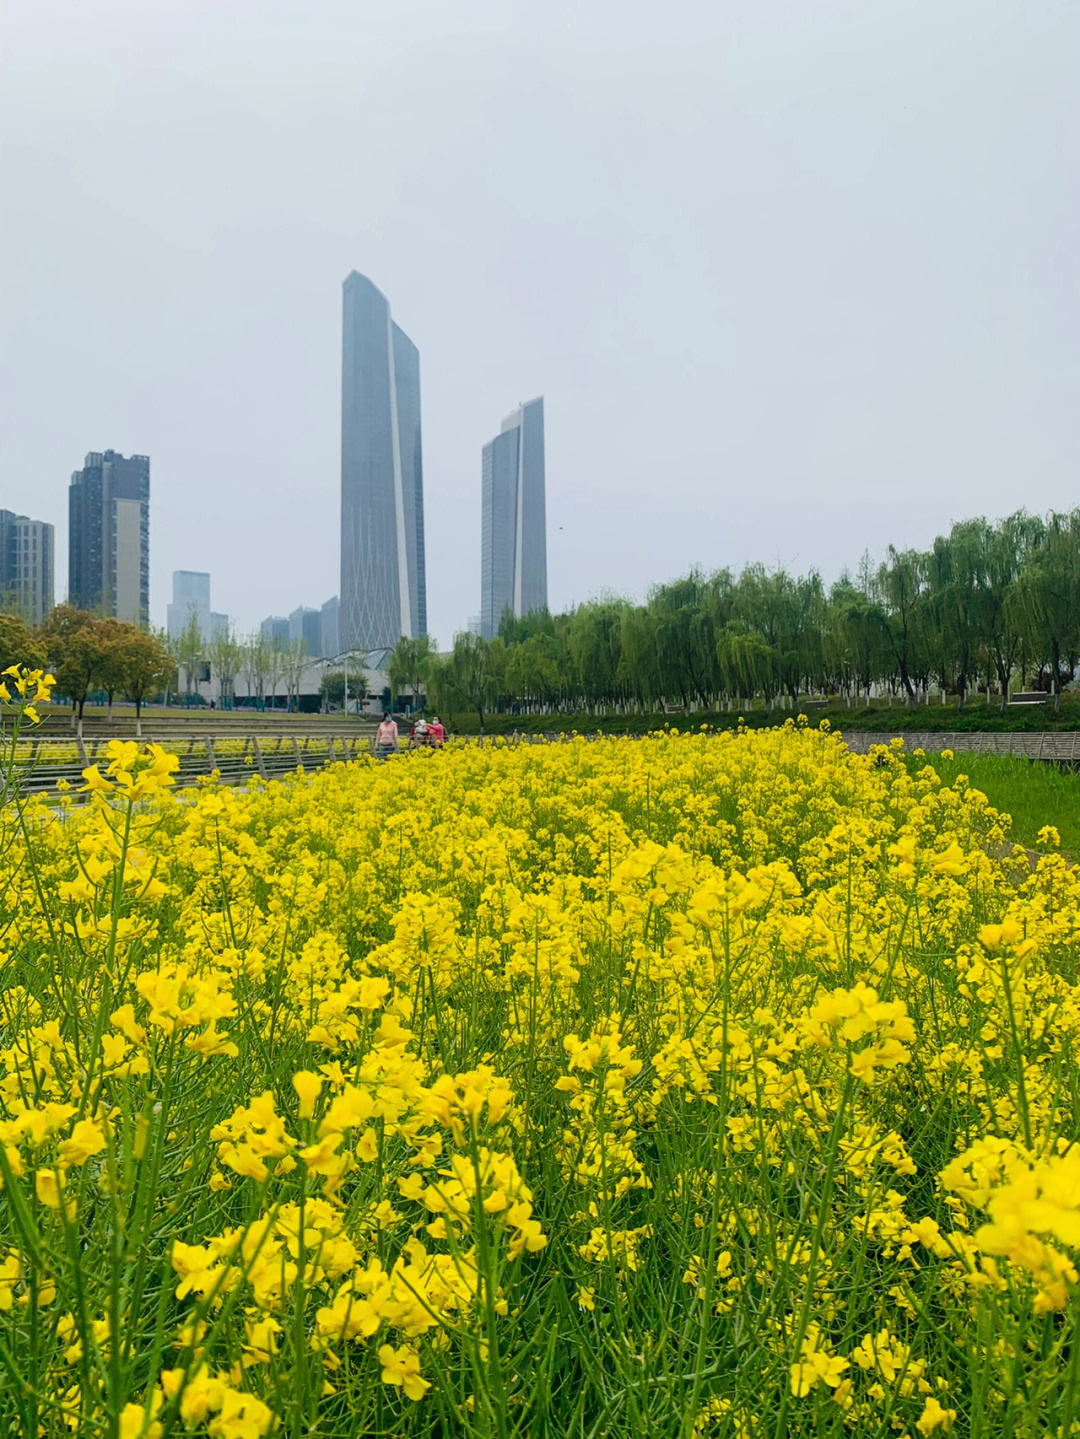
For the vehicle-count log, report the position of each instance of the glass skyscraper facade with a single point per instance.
(513, 534)
(383, 594)
(275, 627)
(306, 624)
(330, 629)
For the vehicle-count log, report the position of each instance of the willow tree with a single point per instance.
(1048, 597)
(901, 586)
(408, 666)
(469, 677)
(856, 638)
(594, 642)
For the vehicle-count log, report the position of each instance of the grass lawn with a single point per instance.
(1033, 793)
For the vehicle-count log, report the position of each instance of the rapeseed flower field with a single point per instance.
(702, 1085)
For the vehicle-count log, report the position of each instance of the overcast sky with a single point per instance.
(795, 279)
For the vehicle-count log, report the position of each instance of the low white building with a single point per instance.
(368, 690)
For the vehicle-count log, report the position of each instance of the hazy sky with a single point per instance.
(795, 279)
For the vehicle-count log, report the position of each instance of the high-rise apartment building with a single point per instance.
(26, 566)
(109, 537)
(513, 530)
(382, 494)
(190, 596)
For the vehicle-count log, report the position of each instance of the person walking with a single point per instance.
(386, 737)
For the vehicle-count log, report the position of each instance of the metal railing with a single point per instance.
(48, 761)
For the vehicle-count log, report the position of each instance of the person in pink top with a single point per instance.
(386, 737)
(437, 733)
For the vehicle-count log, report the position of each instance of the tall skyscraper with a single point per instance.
(513, 530)
(190, 595)
(26, 566)
(383, 592)
(109, 537)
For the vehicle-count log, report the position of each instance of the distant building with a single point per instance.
(275, 627)
(330, 629)
(26, 566)
(190, 596)
(109, 537)
(219, 625)
(383, 593)
(513, 552)
(369, 689)
(305, 624)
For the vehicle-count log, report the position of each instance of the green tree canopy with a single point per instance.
(19, 645)
(76, 643)
(146, 667)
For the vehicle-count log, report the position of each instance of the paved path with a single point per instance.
(1060, 747)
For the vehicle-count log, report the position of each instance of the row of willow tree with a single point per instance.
(994, 605)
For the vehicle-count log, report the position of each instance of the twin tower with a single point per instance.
(383, 589)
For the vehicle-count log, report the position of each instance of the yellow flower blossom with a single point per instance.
(362, 1047)
(308, 1087)
(934, 1416)
(401, 1367)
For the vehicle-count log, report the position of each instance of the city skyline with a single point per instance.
(383, 591)
(833, 240)
(513, 525)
